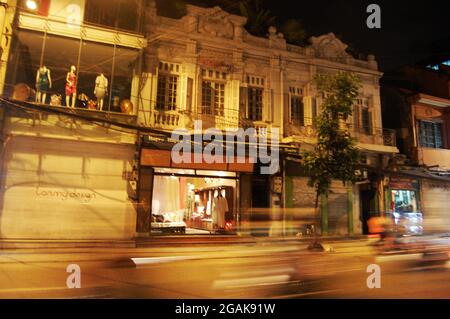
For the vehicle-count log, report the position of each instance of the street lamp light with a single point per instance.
(31, 4)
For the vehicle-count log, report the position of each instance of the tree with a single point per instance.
(335, 156)
(259, 18)
(171, 8)
(294, 32)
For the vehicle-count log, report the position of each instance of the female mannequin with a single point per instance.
(101, 88)
(71, 87)
(43, 84)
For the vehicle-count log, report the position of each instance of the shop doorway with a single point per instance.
(193, 202)
(260, 218)
(260, 192)
(367, 208)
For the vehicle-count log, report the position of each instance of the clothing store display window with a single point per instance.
(104, 76)
(193, 203)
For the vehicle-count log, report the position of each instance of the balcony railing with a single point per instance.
(233, 119)
(371, 135)
(389, 137)
(365, 135)
(166, 119)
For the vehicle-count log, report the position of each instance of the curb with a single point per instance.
(162, 241)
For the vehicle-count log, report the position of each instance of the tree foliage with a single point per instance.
(335, 157)
(294, 32)
(259, 19)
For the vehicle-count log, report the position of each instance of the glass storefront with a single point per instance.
(105, 76)
(193, 202)
(404, 206)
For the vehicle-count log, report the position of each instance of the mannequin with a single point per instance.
(101, 89)
(220, 209)
(71, 87)
(43, 84)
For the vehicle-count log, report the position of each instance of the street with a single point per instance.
(284, 269)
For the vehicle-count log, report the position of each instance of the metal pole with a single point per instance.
(79, 56)
(112, 78)
(350, 208)
(324, 211)
(41, 61)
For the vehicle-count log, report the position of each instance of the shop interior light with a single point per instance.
(31, 4)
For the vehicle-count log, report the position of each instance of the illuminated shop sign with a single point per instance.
(404, 183)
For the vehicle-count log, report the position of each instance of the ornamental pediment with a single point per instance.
(217, 22)
(329, 47)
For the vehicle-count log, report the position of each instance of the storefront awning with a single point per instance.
(163, 158)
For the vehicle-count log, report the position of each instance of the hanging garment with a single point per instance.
(220, 209)
(43, 83)
(71, 85)
(101, 86)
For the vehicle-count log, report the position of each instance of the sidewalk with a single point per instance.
(160, 241)
(105, 254)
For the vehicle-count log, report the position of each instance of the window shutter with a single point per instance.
(438, 135)
(314, 111)
(307, 111)
(356, 117)
(243, 101)
(365, 120)
(268, 105)
(290, 105)
(370, 122)
(286, 105)
(189, 92)
(182, 94)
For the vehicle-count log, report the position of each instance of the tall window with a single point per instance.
(362, 116)
(430, 134)
(251, 98)
(166, 98)
(297, 114)
(255, 103)
(213, 92)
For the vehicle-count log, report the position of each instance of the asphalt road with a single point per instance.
(272, 270)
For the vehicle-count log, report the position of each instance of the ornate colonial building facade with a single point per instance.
(207, 67)
(103, 169)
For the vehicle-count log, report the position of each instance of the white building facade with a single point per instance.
(206, 66)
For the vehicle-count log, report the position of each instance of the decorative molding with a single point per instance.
(329, 47)
(217, 22)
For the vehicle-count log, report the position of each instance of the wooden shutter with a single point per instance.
(268, 105)
(314, 111)
(243, 101)
(189, 92)
(356, 117)
(307, 111)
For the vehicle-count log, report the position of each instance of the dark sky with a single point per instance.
(409, 28)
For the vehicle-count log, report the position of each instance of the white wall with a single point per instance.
(56, 189)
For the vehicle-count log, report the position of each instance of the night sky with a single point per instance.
(409, 34)
(409, 29)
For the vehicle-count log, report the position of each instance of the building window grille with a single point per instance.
(430, 134)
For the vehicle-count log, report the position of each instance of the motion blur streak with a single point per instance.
(410, 268)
